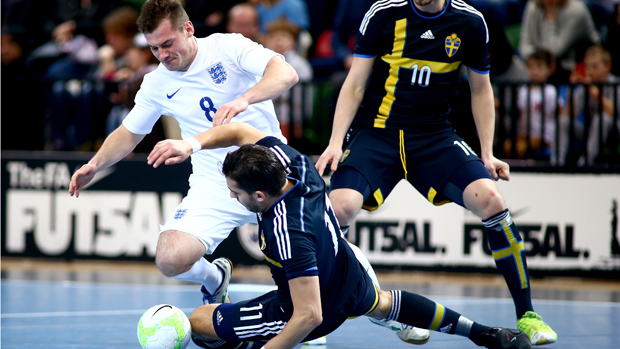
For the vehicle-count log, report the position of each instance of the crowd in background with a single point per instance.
(71, 68)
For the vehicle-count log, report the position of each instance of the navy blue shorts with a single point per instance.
(262, 318)
(438, 164)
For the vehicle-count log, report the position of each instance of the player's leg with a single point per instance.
(407, 333)
(204, 334)
(369, 169)
(460, 176)
(204, 218)
(484, 199)
(419, 311)
(235, 325)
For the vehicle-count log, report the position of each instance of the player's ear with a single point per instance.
(260, 196)
(189, 28)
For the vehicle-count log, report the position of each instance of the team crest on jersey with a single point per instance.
(218, 73)
(453, 42)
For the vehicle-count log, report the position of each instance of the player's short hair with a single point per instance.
(255, 168)
(155, 11)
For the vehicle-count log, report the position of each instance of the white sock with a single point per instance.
(203, 272)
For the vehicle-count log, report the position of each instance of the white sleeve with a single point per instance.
(247, 54)
(142, 116)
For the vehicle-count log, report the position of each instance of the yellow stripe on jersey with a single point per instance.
(438, 318)
(272, 261)
(400, 35)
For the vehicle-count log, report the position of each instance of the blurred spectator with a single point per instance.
(612, 41)
(19, 89)
(292, 105)
(208, 17)
(595, 102)
(78, 109)
(506, 65)
(119, 28)
(140, 61)
(294, 11)
(562, 27)
(83, 16)
(243, 19)
(538, 105)
(334, 49)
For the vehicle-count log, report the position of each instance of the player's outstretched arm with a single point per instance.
(483, 109)
(116, 146)
(307, 313)
(278, 77)
(174, 151)
(349, 101)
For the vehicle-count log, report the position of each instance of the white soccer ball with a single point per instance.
(164, 326)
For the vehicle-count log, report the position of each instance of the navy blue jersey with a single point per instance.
(300, 236)
(418, 57)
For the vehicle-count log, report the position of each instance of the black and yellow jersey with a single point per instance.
(418, 56)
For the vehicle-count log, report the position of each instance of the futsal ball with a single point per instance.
(164, 326)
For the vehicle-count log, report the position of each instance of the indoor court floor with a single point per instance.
(81, 304)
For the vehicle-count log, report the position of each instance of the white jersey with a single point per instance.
(225, 67)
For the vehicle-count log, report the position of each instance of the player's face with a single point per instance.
(246, 199)
(173, 48)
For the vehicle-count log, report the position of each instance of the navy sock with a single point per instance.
(421, 312)
(509, 256)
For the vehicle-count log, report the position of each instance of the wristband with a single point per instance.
(194, 143)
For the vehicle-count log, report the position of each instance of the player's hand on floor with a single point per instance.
(169, 152)
(331, 155)
(81, 178)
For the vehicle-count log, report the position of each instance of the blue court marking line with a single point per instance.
(248, 288)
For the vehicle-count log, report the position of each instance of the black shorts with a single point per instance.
(262, 318)
(428, 161)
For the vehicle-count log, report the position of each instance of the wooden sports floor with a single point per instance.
(82, 304)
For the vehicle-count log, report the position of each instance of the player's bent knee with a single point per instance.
(177, 252)
(202, 324)
(483, 198)
(346, 204)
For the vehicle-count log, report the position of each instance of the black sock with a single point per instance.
(421, 312)
(475, 334)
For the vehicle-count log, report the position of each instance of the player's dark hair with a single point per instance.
(255, 167)
(155, 11)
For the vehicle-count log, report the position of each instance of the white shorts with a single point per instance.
(208, 212)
